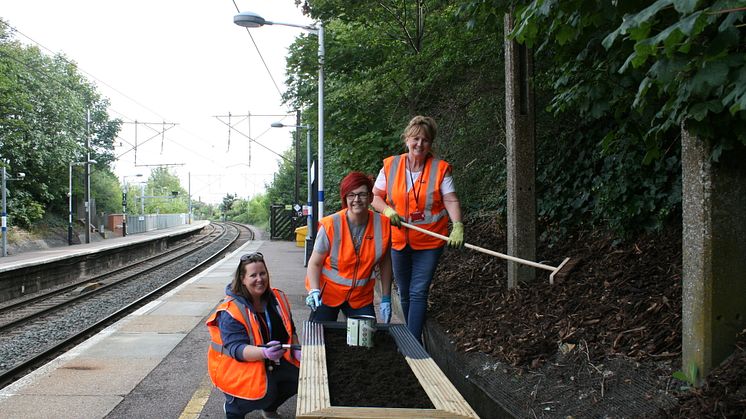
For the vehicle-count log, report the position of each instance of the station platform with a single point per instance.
(153, 363)
(37, 257)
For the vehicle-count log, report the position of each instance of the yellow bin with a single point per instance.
(300, 236)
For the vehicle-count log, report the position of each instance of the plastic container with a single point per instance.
(300, 236)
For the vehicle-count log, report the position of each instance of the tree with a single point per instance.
(43, 108)
(164, 194)
(386, 62)
(106, 190)
(227, 204)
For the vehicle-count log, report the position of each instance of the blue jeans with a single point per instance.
(324, 313)
(282, 384)
(413, 272)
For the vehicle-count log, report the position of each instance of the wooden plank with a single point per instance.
(313, 381)
(313, 385)
(443, 394)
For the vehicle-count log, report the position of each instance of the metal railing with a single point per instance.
(142, 223)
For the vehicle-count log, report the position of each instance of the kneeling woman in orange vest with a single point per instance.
(246, 359)
(349, 245)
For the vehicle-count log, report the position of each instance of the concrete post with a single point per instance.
(714, 253)
(520, 141)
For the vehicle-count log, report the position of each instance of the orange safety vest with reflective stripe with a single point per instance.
(348, 275)
(430, 202)
(243, 379)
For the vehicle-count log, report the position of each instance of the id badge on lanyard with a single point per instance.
(417, 216)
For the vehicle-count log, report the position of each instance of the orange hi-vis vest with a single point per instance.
(243, 379)
(348, 275)
(430, 203)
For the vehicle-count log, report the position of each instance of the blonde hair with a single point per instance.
(424, 125)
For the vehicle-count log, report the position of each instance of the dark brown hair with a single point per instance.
(237, 286)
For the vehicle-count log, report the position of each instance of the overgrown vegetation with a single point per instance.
(614, 82)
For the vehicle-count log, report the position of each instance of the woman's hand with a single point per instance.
(456, 239)
(314, 299)
(386, 308)
(393, 216)
(273, 351)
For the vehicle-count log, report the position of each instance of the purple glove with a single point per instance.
(296, 354)
(273, 351)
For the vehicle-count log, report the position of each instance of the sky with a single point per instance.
(181, 62)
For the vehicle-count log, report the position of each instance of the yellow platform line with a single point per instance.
(194, 408)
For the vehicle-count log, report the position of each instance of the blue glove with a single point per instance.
(296, 354)
(314, 299)
(386, 308)
(273, 351)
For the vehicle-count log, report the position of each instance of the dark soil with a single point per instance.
(371, 377)
(620, 302)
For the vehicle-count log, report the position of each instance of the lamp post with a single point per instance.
(310, 230)
(70, 198)
(4, 227)
(124, 203)
(253, 20)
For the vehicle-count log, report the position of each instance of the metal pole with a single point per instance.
(190, 197)
(70, 206)
(4, 219)
(296, 198)
(124, 207)
(88, 178)
(309, 217)
(320, 34)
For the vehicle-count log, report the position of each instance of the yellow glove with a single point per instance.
(456, 239)
(393, 216)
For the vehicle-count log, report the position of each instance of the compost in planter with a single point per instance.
(371, 377)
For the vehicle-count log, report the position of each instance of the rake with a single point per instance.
(563, 268)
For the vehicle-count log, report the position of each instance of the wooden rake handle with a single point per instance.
(493, 253)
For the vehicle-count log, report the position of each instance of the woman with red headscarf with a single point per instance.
(349, 245)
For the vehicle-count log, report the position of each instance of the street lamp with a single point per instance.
(70, 198)
(4, 227)
(310, 227)
(253, 20)
(124, 203)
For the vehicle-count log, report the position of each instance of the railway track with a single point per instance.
(41, 327)
(24, 309)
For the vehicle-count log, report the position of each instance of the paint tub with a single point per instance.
(360, 330)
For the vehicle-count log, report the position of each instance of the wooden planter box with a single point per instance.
(313, 385)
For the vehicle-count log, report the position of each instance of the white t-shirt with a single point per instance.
(446, 186)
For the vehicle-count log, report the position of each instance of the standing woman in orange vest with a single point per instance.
(246, 359)
(417, 187)
(349, 245)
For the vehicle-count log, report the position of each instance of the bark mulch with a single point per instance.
(621, 301)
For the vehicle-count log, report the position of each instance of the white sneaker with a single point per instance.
(270, 415)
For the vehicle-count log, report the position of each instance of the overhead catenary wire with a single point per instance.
(51, 78)
(279, 92)
(63, 58)
(42, 72)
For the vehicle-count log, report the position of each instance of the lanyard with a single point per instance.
(267, 323)
(416, 193)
